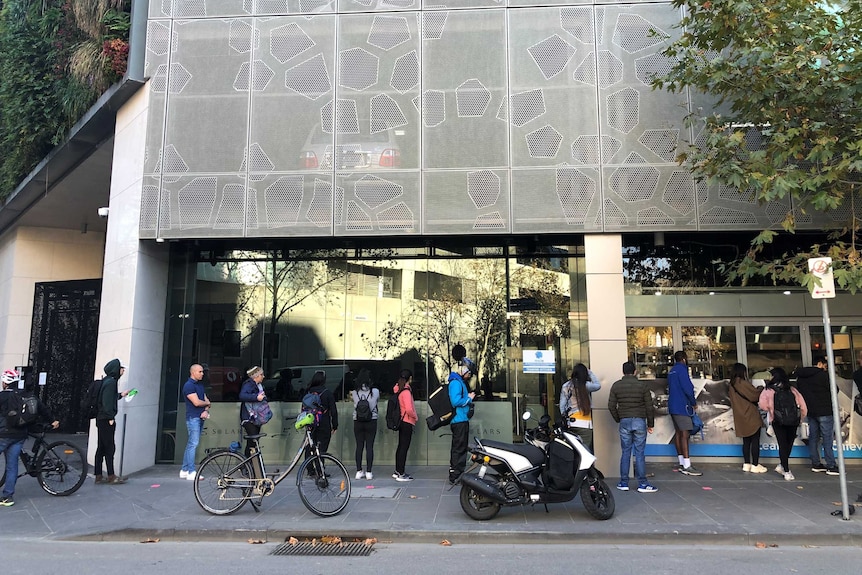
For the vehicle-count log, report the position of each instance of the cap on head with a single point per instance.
(256, 370)
(10, 376)
(122, 364)
(467, 366)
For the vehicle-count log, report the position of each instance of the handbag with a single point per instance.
(803, 430)
(696, 422)
(259, 412)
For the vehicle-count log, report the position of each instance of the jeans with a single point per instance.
(194, 425)
(633, 433)
(821, 429)
(12, 447)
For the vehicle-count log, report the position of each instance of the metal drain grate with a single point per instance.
(306, 548)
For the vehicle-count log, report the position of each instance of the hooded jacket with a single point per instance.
(813, 384)
(110, 391)
(459, 397)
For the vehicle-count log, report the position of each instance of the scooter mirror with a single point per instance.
(527, 415)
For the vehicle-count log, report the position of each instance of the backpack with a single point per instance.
(24, 412)
(363, 409)
(93, 399)
(785, 410)
(311, 404)
(393, 412)
(441, 408)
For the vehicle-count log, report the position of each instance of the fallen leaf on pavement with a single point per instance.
(412, 497)
(256, 541)
(293, 541)
(446, 543)
(370, 541)
(150, 541)
(760, 545)
(330, 539)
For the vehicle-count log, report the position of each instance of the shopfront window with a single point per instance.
(768, 346)
(846, 345)
(711, 350)
(651, 350)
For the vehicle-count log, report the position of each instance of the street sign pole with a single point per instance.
(821, 268)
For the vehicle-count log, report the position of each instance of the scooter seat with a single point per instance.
(533, 454)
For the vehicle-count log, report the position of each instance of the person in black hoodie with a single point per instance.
(106, 424)
(328, 423)
(813, 383)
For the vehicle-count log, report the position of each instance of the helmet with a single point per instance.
(10, 376)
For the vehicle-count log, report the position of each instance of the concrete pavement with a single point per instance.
(724, 506)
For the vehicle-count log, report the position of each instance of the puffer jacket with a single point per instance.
(630, 397)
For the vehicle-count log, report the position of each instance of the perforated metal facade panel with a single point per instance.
(381, 117)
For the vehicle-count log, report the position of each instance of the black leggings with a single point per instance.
(365, 432)
(786, 435)
(105, 447)
(751, 449)
(405, 436)
(250, 429)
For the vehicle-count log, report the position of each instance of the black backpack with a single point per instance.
(94, 393)
(363, 408)
(393, 413)
(23, 412)
(785, 410)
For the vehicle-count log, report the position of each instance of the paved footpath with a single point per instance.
(725, 506)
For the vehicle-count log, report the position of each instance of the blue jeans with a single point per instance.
(821, 429)
(633, 432)
(194, 425)
(12, 447)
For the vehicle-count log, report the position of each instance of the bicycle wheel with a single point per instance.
(223, 484)
(324, 486)
(61, 468)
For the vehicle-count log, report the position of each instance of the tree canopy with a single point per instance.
(786, 79)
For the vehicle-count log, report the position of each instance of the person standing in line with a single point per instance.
(328, 423)
(746, 417)
(197, 411)
(461, 398)
(630, 404)
(813, 383)
(681, 405)
(106, 424)
(251, 391)
(365, 418)
(408, 423)
(575, 402)
(785, 433)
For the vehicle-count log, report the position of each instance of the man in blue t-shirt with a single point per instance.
(197, 410)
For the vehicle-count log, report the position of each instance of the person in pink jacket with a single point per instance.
(785, 432)
(408, 423)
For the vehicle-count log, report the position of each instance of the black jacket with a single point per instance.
(631, 397)
(109, 395)
(813, 384)
(6, 404)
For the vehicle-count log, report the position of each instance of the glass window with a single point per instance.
(768, 346)
(846, 344)
(711, 350)
(651, 350)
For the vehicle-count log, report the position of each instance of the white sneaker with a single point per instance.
(758, 469)
(191, 475)
(746, 467)
(360, 474)
(779, 469)
(369, 476)
(788, 476)
(183, 474)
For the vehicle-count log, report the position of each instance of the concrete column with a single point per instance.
(134, 296)
(607, 337)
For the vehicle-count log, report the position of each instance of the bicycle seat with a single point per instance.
(258, 436)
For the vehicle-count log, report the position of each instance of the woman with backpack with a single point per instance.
(746, 417)
(364, 422)
(250, 394)
(409, 418)
(786, 408)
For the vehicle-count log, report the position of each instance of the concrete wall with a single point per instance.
(29, 255)
(134, 295)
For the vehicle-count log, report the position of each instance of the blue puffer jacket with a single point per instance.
(680, 390)
(458, 395)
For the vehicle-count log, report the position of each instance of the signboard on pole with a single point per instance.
(821, 268)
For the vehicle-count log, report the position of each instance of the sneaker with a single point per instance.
(690, 470)
(7, 501)
(369, 476)
(360, 474)
(396, 475)
(788, 476)
(746, 467)
(758, 469)
(184, 474)
(623, 486)
(647, 488)
(404, 477)
(779, 470)
(192, 475)
(819, 467)
(832, 470)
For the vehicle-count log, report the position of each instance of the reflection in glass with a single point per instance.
(711, 350)
(651, 350)
(772, 346)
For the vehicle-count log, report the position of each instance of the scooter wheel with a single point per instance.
(598, 499)
(478, 506)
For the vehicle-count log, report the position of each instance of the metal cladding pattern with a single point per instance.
(274, 118)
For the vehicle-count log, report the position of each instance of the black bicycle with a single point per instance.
(60, 467)
(226, 480)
